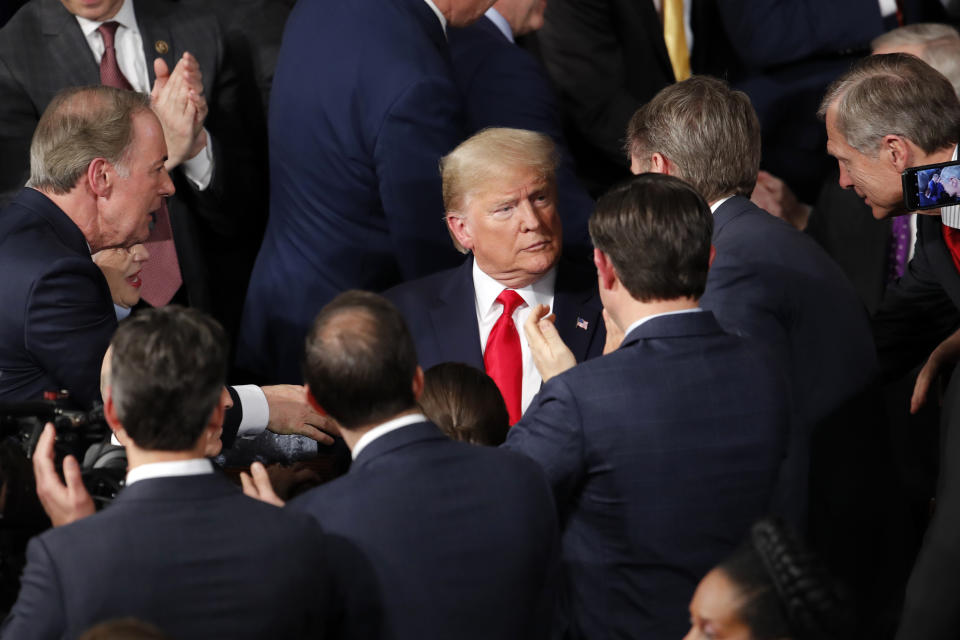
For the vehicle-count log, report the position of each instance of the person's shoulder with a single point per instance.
(25, 22)
(421, 289)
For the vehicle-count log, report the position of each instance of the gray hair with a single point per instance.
(944, 56)
(79, 125)
(914, 35)
(709, 131)
(491, 154)
(952, 171)
(895, 93)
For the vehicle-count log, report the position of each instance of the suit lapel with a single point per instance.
(454, 319)
(155, 32)
(65, 43)
(578, 308)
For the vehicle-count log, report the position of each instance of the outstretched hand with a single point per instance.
(947, 352)
(257, 485)
(63, 503)
(291, 414)
(550, 355)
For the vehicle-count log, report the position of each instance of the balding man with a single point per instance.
(499, 192)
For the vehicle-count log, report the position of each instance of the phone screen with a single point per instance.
(931, 186)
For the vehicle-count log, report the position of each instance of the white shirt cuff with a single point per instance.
(256, 411)
(199, 169)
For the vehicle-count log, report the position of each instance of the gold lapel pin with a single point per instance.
(161, 46)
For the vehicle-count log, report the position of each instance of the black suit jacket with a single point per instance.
(42, 51)
(440, 311)
(606, 58)
(770, 281)
(440, 539)
(660, 456)
(191, 555)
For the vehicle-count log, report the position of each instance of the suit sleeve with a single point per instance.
(422, 126)
(38, 612)
(18, 119)
(915, 316)
(550, 433)
(770, 32)
(68, 327)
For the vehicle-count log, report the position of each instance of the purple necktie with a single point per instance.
(899, 248)
(161, 273)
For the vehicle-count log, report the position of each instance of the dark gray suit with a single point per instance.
(42, 51)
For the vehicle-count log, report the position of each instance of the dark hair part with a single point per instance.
(657, 230)
(785, 591)
(709, 132)
(79, 125)
(166, 374)
(465, 403)
(360, 360)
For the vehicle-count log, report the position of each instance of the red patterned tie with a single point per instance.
(161, 273)
(502, 358)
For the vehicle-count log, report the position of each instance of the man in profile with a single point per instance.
(662, 453)
(447, 539)
(180, 547)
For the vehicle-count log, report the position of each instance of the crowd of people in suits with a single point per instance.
(586, 364)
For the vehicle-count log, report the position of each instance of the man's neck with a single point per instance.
(352, 436)
(137, 457)
(79, 210)
(943, 154)
(632, 311)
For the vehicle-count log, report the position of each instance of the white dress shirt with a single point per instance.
(486, 290)
(133, 64)
(175, 468)
(385, 428)
(501, 23)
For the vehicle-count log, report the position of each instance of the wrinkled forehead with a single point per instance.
(510, 183)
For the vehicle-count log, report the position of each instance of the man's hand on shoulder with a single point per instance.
(63, 503)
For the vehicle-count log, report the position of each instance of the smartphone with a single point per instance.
(931, 186)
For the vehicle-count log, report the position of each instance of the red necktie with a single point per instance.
(951, 238)
(502, 358)
(161, 273)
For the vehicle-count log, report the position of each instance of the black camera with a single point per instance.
(83, 434)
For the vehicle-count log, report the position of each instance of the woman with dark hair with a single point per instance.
(772, 588)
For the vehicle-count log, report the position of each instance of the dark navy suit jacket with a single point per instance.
(504, 86)
(190, 554)
(441, 312)
(441, 540)
(770, 281)
(56, 316)
(363, 106)
(660, 456)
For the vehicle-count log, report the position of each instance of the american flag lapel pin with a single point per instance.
(582, 324)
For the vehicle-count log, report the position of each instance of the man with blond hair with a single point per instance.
(499, 192)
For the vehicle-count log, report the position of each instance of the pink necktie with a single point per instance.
(161, 273)
(502, 358)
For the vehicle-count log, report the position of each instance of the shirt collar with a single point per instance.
(175, 468)
(501, 23)
(950, 216)
(385, 428)
(486, 290)
(125, 17)
(658, 315)
(443, 18)
(716, 205)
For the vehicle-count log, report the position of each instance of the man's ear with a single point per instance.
(313, 401)
(460, 229)
(896, 150)
(418, 383)
(100, 177)
(110, 414)
(606, 274)
(659, 163)
(713, 254)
